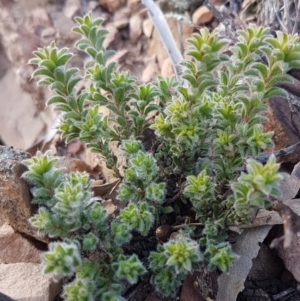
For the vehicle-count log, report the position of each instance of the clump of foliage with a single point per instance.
(208, 132)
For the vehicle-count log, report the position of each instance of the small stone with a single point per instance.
(135, 28)
(75, 147)
(202, 15)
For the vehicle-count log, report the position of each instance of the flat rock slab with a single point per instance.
(15, 248)
(25, 282)
(15, 198)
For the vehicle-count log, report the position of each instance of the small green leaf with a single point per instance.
(261, 68)
(91, 51)
(151, 108)
(275, 91)
(43, 71)
(121, 121)
(69, 73)
(72, 82)
(45, 81)
(49, 65)
(59, 74)
(166, 210)
(72, 115)
(58, 87)
(77, 30)
(64, 59)
(56, 99)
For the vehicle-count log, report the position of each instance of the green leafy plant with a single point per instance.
(208, 133)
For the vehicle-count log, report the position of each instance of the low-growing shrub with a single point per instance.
(208, 131)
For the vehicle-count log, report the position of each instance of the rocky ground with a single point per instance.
(273, 274)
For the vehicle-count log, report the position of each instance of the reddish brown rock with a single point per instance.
(15, 198)
(15, 248)
(284, 121)
(284, 118)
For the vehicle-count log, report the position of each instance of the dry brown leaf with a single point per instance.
(150, 71)
(104, 190)
(148, 27)
(121, 17)
(135, 28)
(202, 15)
(112, 35)
(167, 68)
